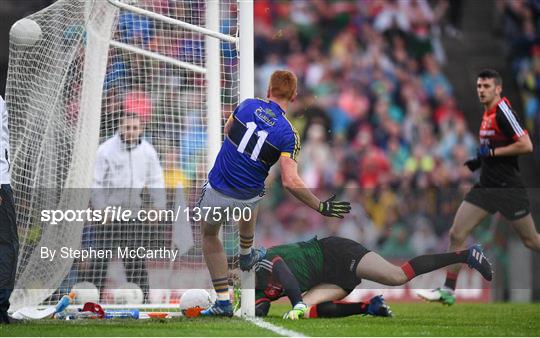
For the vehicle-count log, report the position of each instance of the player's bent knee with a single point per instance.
(402, 278)
(398, 278)
(393, 277)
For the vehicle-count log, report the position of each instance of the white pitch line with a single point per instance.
(274, 328)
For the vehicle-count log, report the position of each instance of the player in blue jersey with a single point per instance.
(257, 136)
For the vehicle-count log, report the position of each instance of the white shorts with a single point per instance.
(218, 208)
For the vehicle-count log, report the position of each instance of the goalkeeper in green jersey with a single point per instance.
(315, 275)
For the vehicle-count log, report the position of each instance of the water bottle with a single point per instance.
(73, 315)
(124, 313)
(62, 304)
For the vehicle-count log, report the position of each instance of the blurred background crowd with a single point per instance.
(378, 118)
(520, 26)
(379, 121)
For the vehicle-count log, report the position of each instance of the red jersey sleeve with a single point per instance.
(508, 121)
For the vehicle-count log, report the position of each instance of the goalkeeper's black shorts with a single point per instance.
(511, 202)
(340, 258)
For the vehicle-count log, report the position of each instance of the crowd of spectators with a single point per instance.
(378, 120)
(379, 123)
(520, 22)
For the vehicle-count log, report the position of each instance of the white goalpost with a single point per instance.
(182, 68)
(247, 85)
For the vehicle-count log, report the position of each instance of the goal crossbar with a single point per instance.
(160, 57)
(172, 21)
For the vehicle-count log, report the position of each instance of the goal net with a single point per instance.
(171, 67)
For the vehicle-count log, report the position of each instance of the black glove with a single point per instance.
(331, 208)
(473, 164)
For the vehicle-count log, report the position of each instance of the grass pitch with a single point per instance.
(410, 320)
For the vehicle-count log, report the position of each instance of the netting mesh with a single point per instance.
(67, 94)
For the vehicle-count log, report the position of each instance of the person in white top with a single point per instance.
(9, 240)
(125, 165)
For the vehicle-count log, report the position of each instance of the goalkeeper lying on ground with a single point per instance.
(315, 275)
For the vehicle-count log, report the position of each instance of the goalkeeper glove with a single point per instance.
(473, 164)
(297, 312)
(331, 208)
(486, 151)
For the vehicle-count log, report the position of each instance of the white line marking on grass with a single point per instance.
(274, 328)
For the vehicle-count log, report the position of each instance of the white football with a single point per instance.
(84, 292)
(195, 298)
(128, 293)
(25, 32)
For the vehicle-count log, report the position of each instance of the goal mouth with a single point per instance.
(158, 79)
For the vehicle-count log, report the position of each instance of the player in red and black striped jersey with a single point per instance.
(500, 189)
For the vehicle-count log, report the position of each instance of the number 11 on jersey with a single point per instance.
(261, 134)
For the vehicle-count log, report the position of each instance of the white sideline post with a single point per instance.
(213, 79)
(247, 83)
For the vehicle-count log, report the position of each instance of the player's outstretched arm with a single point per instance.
(296, 186)
(294, 183)
(284, 276)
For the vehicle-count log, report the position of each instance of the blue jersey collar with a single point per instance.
(277, 106)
